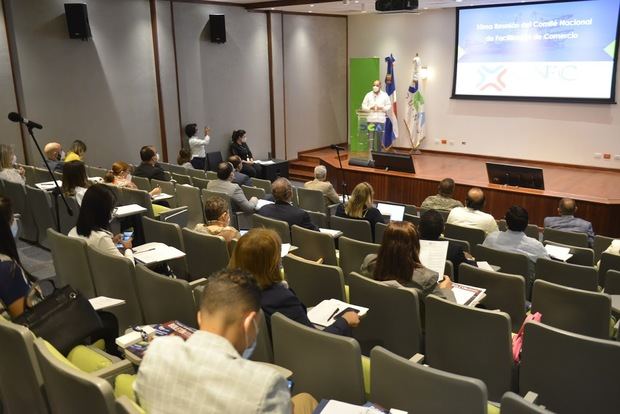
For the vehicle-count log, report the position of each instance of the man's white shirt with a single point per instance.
(467, 217)
(381, 99)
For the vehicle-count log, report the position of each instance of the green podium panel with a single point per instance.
(362, 73)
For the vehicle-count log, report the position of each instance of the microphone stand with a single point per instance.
(344, 184)
(56, 191)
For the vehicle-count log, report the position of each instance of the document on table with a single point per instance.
(262, 203)
(326, 312)
(103, 302)
(156, 253)
(485, 266)
(559, 252)
(334, 233)
(267, 162)
(433, 255)
(467, 295)
(161, 196)
(128, 210)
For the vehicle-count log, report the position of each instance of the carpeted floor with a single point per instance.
(36, 260)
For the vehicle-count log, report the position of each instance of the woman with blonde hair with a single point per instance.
(77, 151)
(258, 252)
(8, 162)
(360, 207)
(120, 176)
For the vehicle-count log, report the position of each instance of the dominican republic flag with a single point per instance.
(415, 117)
(391, 123)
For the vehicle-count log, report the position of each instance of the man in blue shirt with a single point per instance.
(566, 221)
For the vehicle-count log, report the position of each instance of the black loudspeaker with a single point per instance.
(218, 28)
(77, 21)
(395, 5)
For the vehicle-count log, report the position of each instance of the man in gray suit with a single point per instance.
(567, 220)
(224, 184)
(210, 372)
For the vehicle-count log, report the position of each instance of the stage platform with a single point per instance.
(596, 190)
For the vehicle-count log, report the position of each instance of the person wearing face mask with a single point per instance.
(149, 167)
(197, 146)
(239, 146)
(9, 170)
(212, 364)
(54, 156)
(376, 100)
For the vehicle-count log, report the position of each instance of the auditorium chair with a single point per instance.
(608, 262)
(575, 310)
(125, 406)
(352, 254)
(190, 197)
(312, 200)
(250, 192)
(174, 168)
(71, 263)
(568, 238)
(601, 243)
(67, 222)
(142, 183)
(169, 234)
(193, 173)
(314, 245)
(93, 171)
(167, 187)
(43, 212)
(464, 244)
(444, 213)
(583, 256)
(567, 274)
(28, 174)
(471, 235)
(612, 282)
(411, 386)
(41, 175)
(504, 291)
(181, 178)
(201, 183)
(211, 175)
(313, 282)
(352, 228)
(205, 254)
(264, 184)
(531, 230)
(393, 321)
(470, 341)
(379, 230)
(571, 373)
(512, 263)
(325, 365)
(515, 404)
(17, 193)
(279, 226)
(318, 219)
(412, 218)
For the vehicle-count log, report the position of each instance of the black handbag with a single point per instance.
(65, 318)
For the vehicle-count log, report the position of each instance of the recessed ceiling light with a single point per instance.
(309, 11)
(459, 1)
(273, 8)
(312, 5)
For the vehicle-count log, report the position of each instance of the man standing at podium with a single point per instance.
(376, 100)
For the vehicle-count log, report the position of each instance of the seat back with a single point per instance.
(70, 390)
(181, 178)
(319, 219)
(17, 193)
(174, 168)
(211, 175)
(264, 347)
(612, 282)
(569, 238)
(483, 349)
(399, 383)
(473, 236)
(311, 354)
(206, 254)
(192, 172)
(21, 383)
(608, 262)
(393, 320)
(531, 230)
(213, 159)
(40, 175)
(190, 197)
(571, 373)
(566, 274)
(93, 171)
(250, 192)
(583, 256)
(503, 291)
(601, 243)
(311, 200)
(139, 197)
(167, 187)
(463, 244)
(515, 404)
(575, 310)
(170, 234)
(314, 245)
(412, 218)
(115, 277)
(201, 183)
(357, 229)
(512, 263)
(352, 254)
(264, 184)
(279, 226)
(379, 230)
(43, 212)
(67, 222)
(142, 183)
(165, 299)
(313, 282)
(71, 263)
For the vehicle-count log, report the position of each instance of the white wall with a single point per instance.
(565, 133)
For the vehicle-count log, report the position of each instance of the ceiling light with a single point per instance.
(312, 5)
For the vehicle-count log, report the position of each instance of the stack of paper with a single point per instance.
(433, 255)
(128, 210)
(161, 196)
(559, 252)
(485, 266)
(262, 203)
(326, 312)
(467, 295)
(103, 302)
(334, 233)
(156, 253)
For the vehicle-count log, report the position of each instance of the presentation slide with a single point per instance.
(561, 50)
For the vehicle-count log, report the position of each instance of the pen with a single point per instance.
(334, 314)
(144, 251)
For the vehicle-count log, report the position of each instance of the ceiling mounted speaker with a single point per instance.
(395, 5)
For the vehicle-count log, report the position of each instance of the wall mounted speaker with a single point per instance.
(218, 28)
(395, 5)
(77, 21)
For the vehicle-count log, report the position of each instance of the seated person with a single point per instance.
(398, 264)
(258, 252)
(184, 157)
(514, 239)
(431, 227)
(283, 209)
(472, 215)
(197, 146)
(210, 372)
(54, 156)
(218, 220)
(74, 180)
(149, 167)
(9, 171)
(360, 206)
(319, 183)
(566, 221)
(444, 200)
(93, 223)
(239, 147)
(120, 176)
(240, 178)
(224, 184)
(77, 151)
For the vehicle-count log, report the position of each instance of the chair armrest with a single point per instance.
(417, 359)
(110, 372)
(531, 397)
(197, 282)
